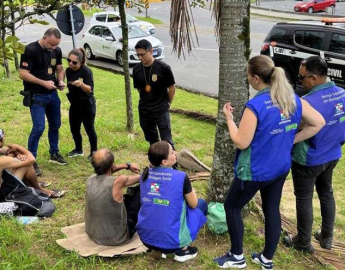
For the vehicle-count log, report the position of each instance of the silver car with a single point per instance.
(105, 40)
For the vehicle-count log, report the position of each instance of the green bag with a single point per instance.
(216, 220)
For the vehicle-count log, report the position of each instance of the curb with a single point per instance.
(120, 72)
(295, 13)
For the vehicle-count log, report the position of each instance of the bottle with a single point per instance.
(27, 220)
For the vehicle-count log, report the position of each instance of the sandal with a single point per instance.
(44, 184)
(57, 194)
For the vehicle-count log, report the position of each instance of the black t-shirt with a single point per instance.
(76, 95)
(187, 186)
(42, 64)
(159, 76)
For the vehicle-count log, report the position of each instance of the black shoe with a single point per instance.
(185, 255)
(325, 242)
(58, 159)
(76, 153)
(37, 169)
(292, 241)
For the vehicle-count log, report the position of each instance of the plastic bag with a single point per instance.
(216, 220)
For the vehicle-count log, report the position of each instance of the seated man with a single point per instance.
(17, 161)
(109, 218)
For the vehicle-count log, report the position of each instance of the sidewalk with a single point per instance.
(266, 12)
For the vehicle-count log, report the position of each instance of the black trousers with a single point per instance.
(132, 204)
(240, 193)
(304, 179)
(156, 127)
(78, 117)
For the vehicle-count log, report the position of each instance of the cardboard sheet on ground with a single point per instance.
(77, 240)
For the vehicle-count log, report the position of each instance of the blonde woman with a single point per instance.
(264, 138)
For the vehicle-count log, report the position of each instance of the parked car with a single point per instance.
(314, 6)
(113, 16)
(105, 40)
(289, 43)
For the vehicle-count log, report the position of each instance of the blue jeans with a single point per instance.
(202, 205)
(45, 105)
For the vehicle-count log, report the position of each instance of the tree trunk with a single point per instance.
(130, 125)
(234, 52)
(13, 31)
(3, 36)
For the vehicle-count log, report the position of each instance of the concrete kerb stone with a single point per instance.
(120, 72)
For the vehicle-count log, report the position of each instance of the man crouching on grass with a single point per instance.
(16, 161)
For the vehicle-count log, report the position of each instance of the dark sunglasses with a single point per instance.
(301, 78)
(73, 62)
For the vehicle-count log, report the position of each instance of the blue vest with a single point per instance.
(165, 221)
(329, 100)
(269, 154)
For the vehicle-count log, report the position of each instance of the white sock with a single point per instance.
(238, 257)
(263, 258)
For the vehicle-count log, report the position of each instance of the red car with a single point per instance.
(314, 6)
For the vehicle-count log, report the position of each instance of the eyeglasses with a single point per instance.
(73, 62)
(142, 54)
(301, 78)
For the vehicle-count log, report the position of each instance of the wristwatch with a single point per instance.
(128, 165)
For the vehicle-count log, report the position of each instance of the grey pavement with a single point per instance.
(289, 7)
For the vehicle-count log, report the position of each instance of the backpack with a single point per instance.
(30, 201)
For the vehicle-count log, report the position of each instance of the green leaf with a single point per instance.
(42, 22)
(10, 39)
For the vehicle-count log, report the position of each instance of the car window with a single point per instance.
(278, 35)
(113, 18)
(299, 37)
(311, 39)
(106, 32)
(130, 18)
(337, 44)
(133, 32)
(101, 18)
(96, 31)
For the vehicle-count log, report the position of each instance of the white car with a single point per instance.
(113, 16)
(105, 40)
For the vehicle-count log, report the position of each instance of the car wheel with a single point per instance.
(119, 58)
(88, 52)
(310, 10)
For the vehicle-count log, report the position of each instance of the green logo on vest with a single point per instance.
(342, 119)
(291, 127)
(161, 201)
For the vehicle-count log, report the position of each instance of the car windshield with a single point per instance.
(130, 18)
(133, 32)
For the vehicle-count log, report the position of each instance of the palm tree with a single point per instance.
(232, 26)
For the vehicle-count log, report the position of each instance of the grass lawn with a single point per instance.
(150, 20)
(34, 247)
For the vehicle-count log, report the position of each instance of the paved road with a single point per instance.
(199, 71)
(289, 5)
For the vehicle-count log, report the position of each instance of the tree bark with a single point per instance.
(13, 31)
(130, 124)
(233, 86)
(3, 36)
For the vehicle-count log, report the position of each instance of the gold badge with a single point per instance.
(50, 71)
(53, 62)
(154, 77)
(80, 79)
